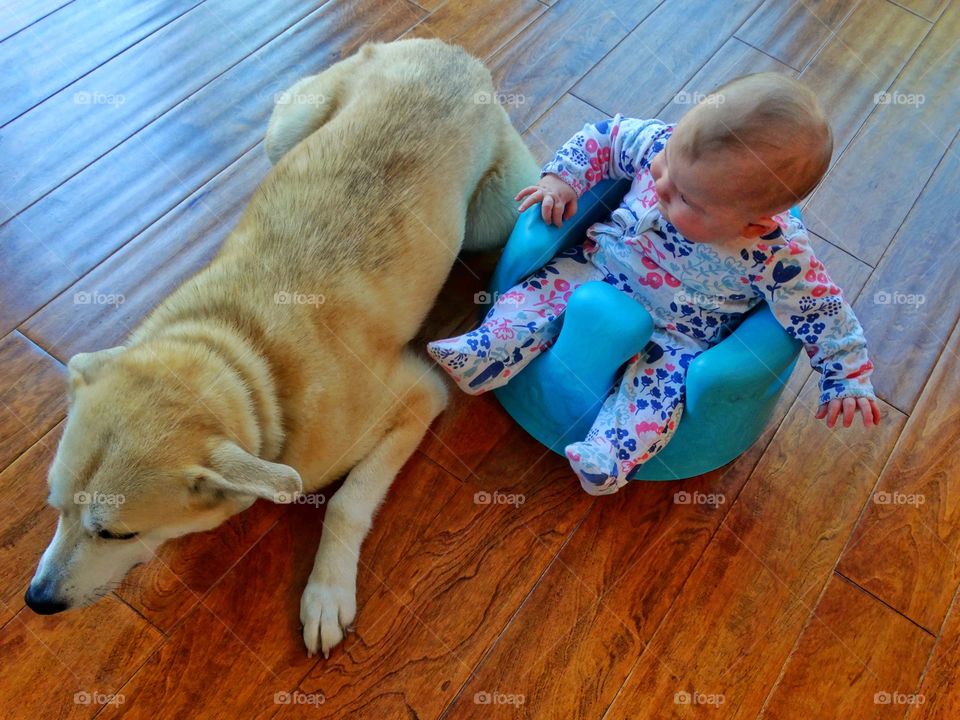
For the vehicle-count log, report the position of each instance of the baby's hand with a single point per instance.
(850, 406)
(558, 201)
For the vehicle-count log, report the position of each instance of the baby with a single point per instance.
(702, 236)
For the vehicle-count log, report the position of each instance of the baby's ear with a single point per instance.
(760, 227)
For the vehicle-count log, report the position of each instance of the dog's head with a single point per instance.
(151, 450)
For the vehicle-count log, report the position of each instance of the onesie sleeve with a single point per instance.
(615, 148)
(796, 286)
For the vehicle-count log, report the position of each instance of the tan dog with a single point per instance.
(285, 363)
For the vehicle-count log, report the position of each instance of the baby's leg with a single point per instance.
(638, 418)
(522, 323)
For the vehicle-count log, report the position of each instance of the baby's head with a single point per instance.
(752, 149)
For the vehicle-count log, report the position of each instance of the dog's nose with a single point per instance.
(42, 603)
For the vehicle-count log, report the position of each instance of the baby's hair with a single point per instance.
(775, 119)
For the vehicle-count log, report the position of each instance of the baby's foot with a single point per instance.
(596, 468)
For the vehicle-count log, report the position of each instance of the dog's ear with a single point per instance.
(235, 470)
(83, 367)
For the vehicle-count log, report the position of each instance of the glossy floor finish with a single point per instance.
(815, 577)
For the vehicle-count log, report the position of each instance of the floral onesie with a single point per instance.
(695, 292)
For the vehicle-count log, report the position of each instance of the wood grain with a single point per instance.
(548, 57)
(905, 548)
(59, 239)
(558, 125)
(940, 691)
(480, 26)
(856, 658)
(930, 9)
(32, 395)
(865, 197)
(53, 53)
(17, 16)
(746, 601)
(862, 59)
(908, 308)
(793, 32)
(68, 665)
(646, 70)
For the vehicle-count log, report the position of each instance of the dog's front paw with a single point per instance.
(327, 610)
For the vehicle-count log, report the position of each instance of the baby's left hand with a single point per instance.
(850, 406)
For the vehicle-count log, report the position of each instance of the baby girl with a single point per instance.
(702, 236)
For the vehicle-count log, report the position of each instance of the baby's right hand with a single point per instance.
(558, 201)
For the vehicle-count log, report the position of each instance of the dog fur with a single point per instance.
(285, 363)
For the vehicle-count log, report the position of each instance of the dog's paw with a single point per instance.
(327, 610)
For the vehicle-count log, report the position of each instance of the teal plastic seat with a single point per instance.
(731, 388)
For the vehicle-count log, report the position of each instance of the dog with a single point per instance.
(286, 362)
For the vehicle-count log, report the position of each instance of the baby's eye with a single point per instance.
(683, 198)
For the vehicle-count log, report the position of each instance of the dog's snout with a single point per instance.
(42, 602)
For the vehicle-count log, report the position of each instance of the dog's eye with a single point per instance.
(107, 535)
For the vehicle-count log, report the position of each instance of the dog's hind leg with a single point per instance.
(329, 605)
(493, 210)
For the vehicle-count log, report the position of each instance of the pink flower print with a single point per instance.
(649, 196)
(671, 280)
(503, 331)
(513, 297)
(654, 280)
(591, 146)
(647, 426)
(604, 155)
(561, 284)
(670, 367)
(649, 264)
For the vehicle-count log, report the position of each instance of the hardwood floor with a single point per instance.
(823, 585)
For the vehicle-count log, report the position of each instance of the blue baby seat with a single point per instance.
(731, 388)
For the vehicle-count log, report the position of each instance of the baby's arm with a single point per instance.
(812, 309)
(613, 148)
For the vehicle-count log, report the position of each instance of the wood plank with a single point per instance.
(865, 197)
(242, 643)
(905, 548)
(930, 9)
(908, 308)
(28, 523)
(862, 59)
(548, 57)
(746, 601)
(480, 26)
(646, 70)
(793, 32)
(940, 689)
(18, 15)
(446, 572)
(856, 658)
(32, 395)
(733, 59)
(67, 665)
(172, 249)
(51, 54)
(113, 102)
(100, 209)
(558, 125)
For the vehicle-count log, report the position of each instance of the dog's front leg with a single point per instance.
(329, 605)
